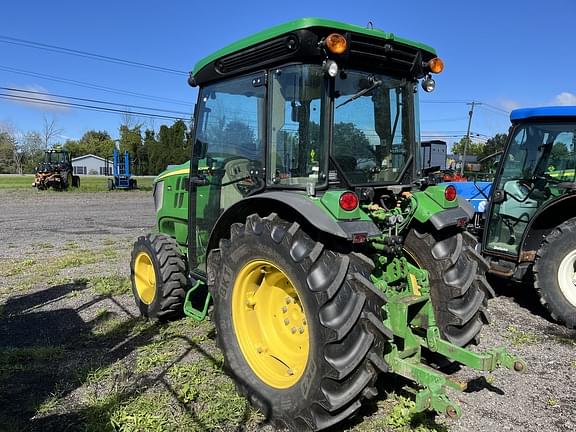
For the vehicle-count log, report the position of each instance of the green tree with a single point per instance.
(559, 154)
(131, 140)
(31, 147)
(349, 140)
(474, 149)
(146, 151)
(494, 144)
(94, 142)
(7, 149)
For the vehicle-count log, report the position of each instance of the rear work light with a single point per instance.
(348, 201)
(450, 193)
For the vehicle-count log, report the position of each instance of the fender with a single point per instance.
(431, 207)
(294, 206)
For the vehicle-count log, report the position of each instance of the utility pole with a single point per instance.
(470, 114)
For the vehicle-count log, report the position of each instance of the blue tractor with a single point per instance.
(122, 177)
(528, 228)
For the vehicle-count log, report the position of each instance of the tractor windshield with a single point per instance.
(56, 157)
(371, 134)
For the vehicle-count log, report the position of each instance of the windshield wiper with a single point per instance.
(375, 83)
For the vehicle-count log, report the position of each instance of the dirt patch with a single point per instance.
(74, 355)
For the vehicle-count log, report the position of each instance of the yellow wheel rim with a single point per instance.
(145, 278)
(270, 324)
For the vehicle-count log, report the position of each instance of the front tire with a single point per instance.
(555, 273)
(299, 324)
(158, 275)
(458, 286)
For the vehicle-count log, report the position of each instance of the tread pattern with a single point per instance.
(171, 284)
(545, 262)
(346, 305)
(458, 284)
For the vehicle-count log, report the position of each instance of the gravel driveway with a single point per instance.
(43, 298)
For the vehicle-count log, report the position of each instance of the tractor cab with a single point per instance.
(314, 106)
(536, 172)
(55, 159)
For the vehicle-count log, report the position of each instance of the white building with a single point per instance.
(433, 153)
(91, 165)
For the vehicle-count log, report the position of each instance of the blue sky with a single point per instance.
(505, 54)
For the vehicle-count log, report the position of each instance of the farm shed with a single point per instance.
(91, 165)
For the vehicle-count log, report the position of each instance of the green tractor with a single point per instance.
(302, 219)
(531, 222)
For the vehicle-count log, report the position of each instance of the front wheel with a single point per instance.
(555, 273)
(297, 322)
(458, 286)
(158, 274)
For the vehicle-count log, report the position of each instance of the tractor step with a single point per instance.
(197, 295)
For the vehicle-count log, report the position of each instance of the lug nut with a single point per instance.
(288, 300)
(284, 309)
(293, 330)
(286, 321)
(301, 330)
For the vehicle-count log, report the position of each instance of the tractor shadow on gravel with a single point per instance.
(48, 355)
(523, 294)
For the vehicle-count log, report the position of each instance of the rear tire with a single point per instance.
(458, 286)
(555, 273)
(342, 316)
(69, 181)
(110, 184)
(76, 181)
(158, 274)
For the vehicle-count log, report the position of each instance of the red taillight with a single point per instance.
(450, 193)
(348, 201)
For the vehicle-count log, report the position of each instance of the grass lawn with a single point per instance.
(87, 183)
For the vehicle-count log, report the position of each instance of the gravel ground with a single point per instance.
(37, 308)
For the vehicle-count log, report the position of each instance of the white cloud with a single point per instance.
(31, 96)
(509, 105)
(565, 98)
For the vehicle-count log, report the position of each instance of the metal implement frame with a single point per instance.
(409, 317)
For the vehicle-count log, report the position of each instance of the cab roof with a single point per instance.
(542, 112)
(258, 46)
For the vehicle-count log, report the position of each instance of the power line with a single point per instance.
(86, 54)
(495, 109)
(445, 101)
(92, 86)
(84, 106)
(93, 100)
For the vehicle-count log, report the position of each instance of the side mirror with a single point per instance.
(499, 196)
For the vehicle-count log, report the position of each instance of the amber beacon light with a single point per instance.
(336, 43)
(436, 65)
